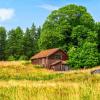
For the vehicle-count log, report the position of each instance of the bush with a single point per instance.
(84, 56)
(23, 57)
(11, 58)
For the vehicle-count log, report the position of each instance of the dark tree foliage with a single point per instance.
(2, 43)
(27, 43)
(97, 29)
(15, 43)
(30, 41)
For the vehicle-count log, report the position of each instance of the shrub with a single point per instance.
(84, 56)
(11, 58)
(23, 57)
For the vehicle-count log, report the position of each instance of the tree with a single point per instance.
(97, 28)
(30, 41)
(84, 53)
(2, 43)
(84, 56)
(15, 43)
(80, 34)
(27, 43)
(38, 33)
(34, 36)
(50, 40)
(57, 29)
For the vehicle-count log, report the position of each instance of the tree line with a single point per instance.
(71, 28)
(17, 44)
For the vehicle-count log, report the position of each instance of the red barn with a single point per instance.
(52, 59)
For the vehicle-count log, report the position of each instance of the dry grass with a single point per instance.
(23, 81)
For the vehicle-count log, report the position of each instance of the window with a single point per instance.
(57, 56)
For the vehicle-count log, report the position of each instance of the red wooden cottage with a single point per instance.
(52, 59)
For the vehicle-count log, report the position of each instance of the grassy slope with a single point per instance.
(21, 81)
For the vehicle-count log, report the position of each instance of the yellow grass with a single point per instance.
(23, 81)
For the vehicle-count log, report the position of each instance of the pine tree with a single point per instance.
(2, 43)
(15, 43)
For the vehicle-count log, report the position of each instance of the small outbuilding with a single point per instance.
(52, 59)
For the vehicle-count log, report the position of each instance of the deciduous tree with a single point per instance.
(57, 29)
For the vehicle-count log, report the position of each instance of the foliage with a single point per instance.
(2, 43)
(23, 57)
(97, 29)
(11, 58)
(84, 56)
(52, 40)
(30, 41)
(58, 26)
(72, 29)
(15, 43)
(79, 35)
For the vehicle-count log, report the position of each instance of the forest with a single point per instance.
(71, 28)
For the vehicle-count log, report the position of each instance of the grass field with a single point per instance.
(23, 81)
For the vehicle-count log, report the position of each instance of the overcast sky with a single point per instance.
(24, 12)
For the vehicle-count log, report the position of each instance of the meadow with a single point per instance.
(20, 80)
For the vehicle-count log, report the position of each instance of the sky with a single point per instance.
(23, 13)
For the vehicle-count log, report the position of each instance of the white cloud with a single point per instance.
(6, 14)
(48, 7)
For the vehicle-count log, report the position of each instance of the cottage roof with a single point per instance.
(45, 53)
